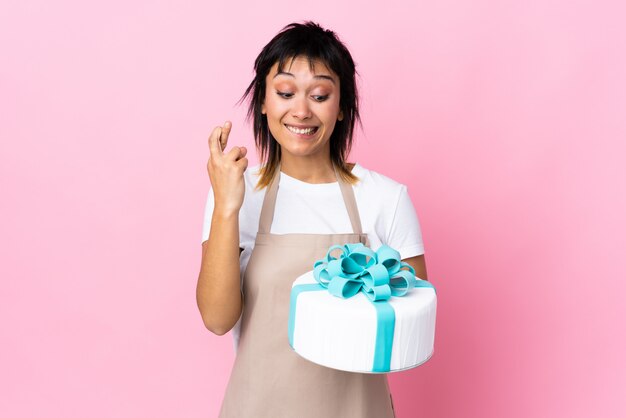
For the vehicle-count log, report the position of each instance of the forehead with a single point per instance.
(302, 64)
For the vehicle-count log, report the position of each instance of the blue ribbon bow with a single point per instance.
(379, 275)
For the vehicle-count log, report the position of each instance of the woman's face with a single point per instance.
(302, 107)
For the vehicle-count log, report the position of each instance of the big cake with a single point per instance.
(363, 311)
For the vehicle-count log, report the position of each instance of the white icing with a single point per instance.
(341, 333)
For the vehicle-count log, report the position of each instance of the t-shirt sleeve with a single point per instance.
(208, 214)
(405, 234)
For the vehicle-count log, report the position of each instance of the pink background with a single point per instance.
(505, 119)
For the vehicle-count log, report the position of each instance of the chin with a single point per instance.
(298, 152)
(301, 150)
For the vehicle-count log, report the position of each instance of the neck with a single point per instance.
(307, 169)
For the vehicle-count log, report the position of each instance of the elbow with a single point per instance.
(217, 318)
(216, 328)
(218, 331)
(219, 326)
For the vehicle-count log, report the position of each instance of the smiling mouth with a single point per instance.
(302, 131)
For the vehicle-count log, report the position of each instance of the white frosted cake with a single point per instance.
(352, 327)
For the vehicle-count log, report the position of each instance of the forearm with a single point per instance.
(419, 265)
(218, 292)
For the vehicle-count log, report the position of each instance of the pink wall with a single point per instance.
(505, 119)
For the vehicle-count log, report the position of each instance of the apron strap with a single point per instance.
(269, 203)
(350, 201)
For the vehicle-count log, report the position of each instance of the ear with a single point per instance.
(340, 117)
(263, 108)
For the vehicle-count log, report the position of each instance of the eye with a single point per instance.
(283, 94)
(320, 98)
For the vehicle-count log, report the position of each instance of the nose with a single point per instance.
(301, 109)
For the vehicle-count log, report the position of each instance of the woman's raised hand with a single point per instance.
(226, 171)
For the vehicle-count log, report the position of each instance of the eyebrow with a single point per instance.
(322, 76)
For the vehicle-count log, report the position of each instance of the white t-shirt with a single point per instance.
(387, 213)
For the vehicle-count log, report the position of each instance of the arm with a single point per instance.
(405, 232)
(218, 292)
(419, 264)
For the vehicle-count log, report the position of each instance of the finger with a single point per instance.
(242, 163)
(236, 153)
(225, 132)
(214, 148)
(233, 153)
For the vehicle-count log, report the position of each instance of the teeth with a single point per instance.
(300, 131)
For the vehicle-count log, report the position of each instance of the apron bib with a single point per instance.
(268, 379)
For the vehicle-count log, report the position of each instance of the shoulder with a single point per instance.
(371, 181)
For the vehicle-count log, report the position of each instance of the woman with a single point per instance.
(271, 222)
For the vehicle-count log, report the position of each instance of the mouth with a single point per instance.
(303, 132)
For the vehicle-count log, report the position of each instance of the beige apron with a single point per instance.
(269, 380)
